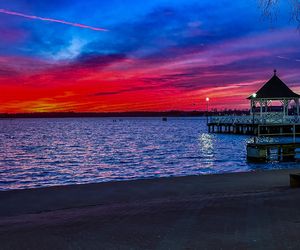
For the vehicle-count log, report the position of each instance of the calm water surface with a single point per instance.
(45, 152)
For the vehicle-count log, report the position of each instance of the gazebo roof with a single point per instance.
(274, 89)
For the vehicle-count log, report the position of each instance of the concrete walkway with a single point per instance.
(232, 211)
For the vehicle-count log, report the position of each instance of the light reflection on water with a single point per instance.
(45, 152)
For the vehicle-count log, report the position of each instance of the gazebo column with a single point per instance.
(297, 105)
(253, 106)
(285, 107)
(261, 107)
(266, 106)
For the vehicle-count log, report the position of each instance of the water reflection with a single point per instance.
(206, 145)
(44, 152)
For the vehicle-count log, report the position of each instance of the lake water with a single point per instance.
(46, 152)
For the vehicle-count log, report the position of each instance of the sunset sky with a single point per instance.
(131, 55)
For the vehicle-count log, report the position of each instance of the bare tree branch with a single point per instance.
(296, 11)
(270, 9)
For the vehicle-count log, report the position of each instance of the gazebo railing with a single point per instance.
(270, 118)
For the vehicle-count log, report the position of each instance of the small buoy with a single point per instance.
(164, 119)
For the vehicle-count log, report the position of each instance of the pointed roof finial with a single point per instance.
(275, 71)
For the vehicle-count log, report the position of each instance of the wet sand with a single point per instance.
(233, 211)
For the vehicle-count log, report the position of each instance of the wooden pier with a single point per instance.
(263, 152)
(248, 125)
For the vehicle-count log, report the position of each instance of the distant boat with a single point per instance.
(164, 119)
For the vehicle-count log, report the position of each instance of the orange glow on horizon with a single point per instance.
(115, 83)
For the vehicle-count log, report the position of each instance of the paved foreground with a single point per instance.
(232, 211)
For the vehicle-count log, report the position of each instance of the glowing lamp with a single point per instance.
(254, 95)
(207, 99)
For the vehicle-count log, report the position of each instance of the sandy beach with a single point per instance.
(256, 210)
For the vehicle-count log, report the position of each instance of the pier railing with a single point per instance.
(256, 119)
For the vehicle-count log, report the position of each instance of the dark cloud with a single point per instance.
(96, 60)
(161, 28)
(77, 68)
(132, 89)
(167, 32)
(6, 72)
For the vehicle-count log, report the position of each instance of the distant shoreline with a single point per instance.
(121, 114)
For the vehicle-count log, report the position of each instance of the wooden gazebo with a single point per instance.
(273, 90)
(263, 119)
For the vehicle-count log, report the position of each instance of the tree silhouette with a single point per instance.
(270, 9)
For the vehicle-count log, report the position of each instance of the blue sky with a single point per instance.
(184, 49)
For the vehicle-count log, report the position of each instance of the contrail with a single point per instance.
(8, 12)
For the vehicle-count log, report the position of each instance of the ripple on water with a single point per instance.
(46, 152)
